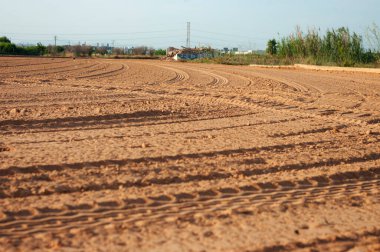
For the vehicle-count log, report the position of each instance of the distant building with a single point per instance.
(189, 53)
(244, 52)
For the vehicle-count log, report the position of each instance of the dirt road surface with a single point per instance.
(128, 155)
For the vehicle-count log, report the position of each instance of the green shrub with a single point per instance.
(8, 48)
(338, 47)
(271, 47)
(160, 52)
(4, 40)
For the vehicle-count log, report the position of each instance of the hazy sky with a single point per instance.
(246, 24)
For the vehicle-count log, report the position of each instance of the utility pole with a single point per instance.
(55, 45)
(188, 35)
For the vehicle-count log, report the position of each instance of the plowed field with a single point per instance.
(129, 155)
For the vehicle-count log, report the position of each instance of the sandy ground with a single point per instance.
(117, 155)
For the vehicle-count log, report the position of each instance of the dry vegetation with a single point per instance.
(148, 155)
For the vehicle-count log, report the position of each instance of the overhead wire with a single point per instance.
(170, 35)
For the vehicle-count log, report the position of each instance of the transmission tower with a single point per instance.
(188, 35)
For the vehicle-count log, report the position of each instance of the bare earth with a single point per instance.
(117, 155)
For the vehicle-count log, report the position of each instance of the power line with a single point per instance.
(132, 38)
(64, 39)
(221, 38)
(91, 34)
(131, 33)
(138, 38)
(217, 39)
(227, 34)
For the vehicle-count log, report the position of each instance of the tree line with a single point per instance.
(9, 48)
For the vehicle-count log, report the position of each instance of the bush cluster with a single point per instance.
(337, 47)
(8, 48)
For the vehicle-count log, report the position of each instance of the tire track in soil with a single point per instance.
(300, 104)
(303, 88)
(89, 68)
(65, 71)
(266, 97)
(290, 84)
(271, 106)
(216, 78)
(333, 107)
(21, 130)
(247, 102)
(27, 191)
(342, 243)
(50, 167)
(180, 76)
(183, 132)
(328, 108)
(105, 74)
(185, 205)
(101, 67)
(64, 98)
(40, 63)
(25, 72)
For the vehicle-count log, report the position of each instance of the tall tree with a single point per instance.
(272, 47)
